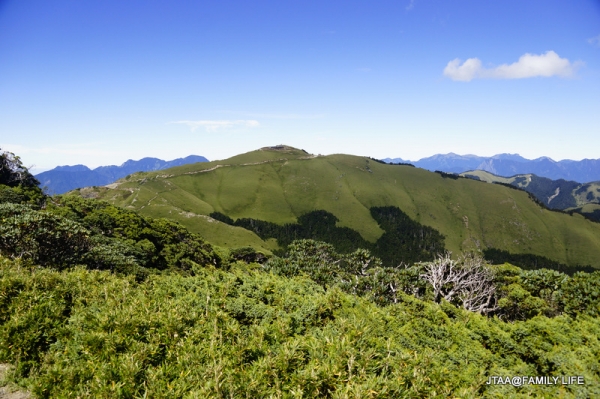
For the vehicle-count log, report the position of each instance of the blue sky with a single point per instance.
(100, 82)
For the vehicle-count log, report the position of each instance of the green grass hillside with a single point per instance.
(279, 184)
(556, 194)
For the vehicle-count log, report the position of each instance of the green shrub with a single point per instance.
(73, 231)
(581, 294)
(82, 333)
(41, 237)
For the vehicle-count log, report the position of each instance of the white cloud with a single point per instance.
(411, 5)
(528, 66)
(283, 116)
(213, 126)
(594, 41)
(465, 72)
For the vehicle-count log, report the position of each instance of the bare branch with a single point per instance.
(467, 282)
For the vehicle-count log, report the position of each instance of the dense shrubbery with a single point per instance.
(70, 230)
(41, 237)
(81, 333)
(505, 290)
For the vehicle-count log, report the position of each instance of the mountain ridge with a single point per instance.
(70, 177)
(506, 165)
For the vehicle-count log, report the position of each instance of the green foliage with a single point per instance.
(385, 285)
(13, 173)
(517, 303)
(154, 243)
(317, 260)
(116, 255)
(73, 231)
(505, 290)
(17, 185)
(81, 333)
(581, 294)
(247, 255)
(527, 293)
(326, 321)
(547, 285)
(22, 195)
(358, 273)
(41, 237)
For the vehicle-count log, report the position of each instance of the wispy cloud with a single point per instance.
(594, 41)
(215, 125)
(411, 5)
(529, 66)
(285, 116)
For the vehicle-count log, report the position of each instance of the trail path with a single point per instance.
(7, 392)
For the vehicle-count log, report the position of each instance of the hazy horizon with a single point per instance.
(36, 171)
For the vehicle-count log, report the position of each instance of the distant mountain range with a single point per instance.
(506, 165)
(66, 178)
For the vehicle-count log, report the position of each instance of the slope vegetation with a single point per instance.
(555, 194)
(280, 184)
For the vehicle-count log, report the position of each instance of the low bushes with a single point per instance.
(82, 333)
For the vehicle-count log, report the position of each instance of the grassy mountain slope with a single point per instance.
(556, 194)
(280, 184)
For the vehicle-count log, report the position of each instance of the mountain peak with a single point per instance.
(72, 168)
(509, 157)
(540, 159)
(281, 148)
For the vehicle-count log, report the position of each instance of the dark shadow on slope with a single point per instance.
(532, 262)
(404, 241)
